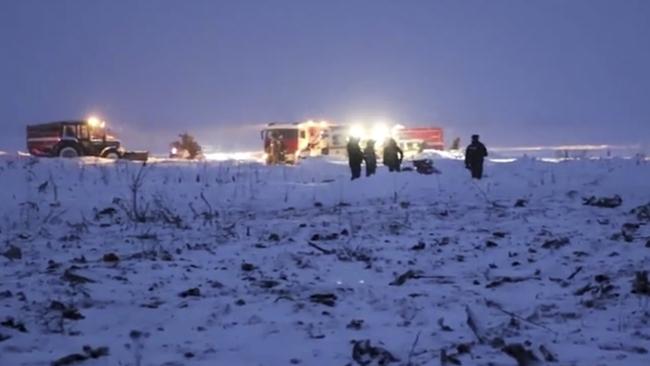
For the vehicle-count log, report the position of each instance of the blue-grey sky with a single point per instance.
(517, 72)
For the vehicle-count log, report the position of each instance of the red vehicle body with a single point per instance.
(71, 139)
(431, 137)
(294, 140)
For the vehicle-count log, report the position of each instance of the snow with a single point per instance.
(257, 242)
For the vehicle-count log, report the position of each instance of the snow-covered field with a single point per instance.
(225, 263)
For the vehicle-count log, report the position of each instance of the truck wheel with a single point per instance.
(113, 155)
(68, 152)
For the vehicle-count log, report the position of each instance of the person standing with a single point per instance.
(474, 156)
(355, 157)
(370, 157)
(393, 155)
(282, 158)
(273, 151)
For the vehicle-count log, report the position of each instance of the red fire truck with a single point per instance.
(287, 142)
(431, 137)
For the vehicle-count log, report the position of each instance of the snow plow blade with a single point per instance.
(136, 155)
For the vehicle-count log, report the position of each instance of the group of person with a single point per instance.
(392, 155)
(475, 154)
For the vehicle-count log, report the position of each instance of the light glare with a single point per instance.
(94, 121)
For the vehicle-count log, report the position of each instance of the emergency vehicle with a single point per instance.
(71, 139)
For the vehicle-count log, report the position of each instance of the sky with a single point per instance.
(516, 72)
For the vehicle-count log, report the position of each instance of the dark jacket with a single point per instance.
(369, 155)
(355, 156)
(475, 153)
(393, 155)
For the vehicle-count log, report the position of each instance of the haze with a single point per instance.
(517, 72)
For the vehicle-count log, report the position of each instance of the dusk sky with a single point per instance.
(516, 72)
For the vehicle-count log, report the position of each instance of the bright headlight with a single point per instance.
(357, 131)
(94, 121)
(380, 132)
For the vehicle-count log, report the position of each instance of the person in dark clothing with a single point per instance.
(474, 156)
(355, 157)
(393, 155)
(370, 157)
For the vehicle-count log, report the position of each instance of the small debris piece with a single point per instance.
(267, 283)
(600, 278)
(108, 211)
(11, 323)
(443, 241)
(443, 326)
(192, 292)
(578, 270)
(604, 202)
(327, 299)
(247, 267)
(355, 324)
(135, 334)
(419, 246)
(464, 348)
(628, 230)
(505, 279)
(74, 278)
(621, 347)
(583, 290)
(274, 237)
(497, 342)
(321, 249)
(67, 312)
(70, 360)
(548, 356)
(523, 356)
(363, 353)
(43, 186)
(4, 337)
(446, 359)
(153, 304)
(642, 212)
(166, 256)
(521, 202)
(491, 244)
(13, 253)
(111, 258)
(471, 323)
(332, 236)
(556, 243)
(641, 284)
(88, 353)
(401, 279)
